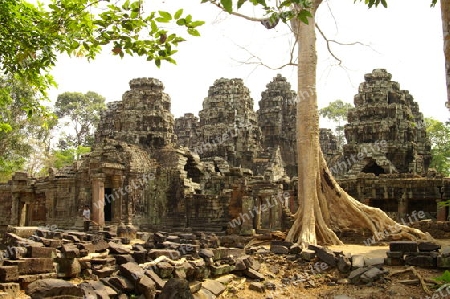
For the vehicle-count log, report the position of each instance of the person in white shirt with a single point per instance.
(86, 217)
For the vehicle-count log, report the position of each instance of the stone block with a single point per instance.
(308, 254)
(51, 287)
(253, 274)
(32, 265)
(443, 262)
(123, 258)
(146, 287)
(122, 284)
(140, 257)
(326, 256)
(395, 254)
(428, 247)
(164, 270)
(403, 246)
(355, 276)
(374, 261)
(257, 286)
(118, 248)
(42, 252)
(9, 273)
(131, 271)
(213, 286)
(176, 288)
(11, 288)
(357, 261)
(392, 261)
(171, 254)
(25, 280)
(221, 269)
(279, 249)
(344, 264)
(195, 286)
(68, 267)
(371, 275)
(159, 283)
(421, 261)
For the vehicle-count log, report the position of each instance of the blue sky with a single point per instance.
(405, 39)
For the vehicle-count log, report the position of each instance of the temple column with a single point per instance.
(98, 201)
(117, 213)
(15, 209)
(402, 208)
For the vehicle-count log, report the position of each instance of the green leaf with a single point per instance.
(196, 24)
(240, 3)
(193, 32)
(227, 5)
(178, 14)
(304, 15)
(165, 16)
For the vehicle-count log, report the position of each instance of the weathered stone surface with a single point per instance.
(391, 261)
(41, 252)
(159, 283)
(344, 264)
(171, 254)
(32, 265)
(68, 267)
(308, 254)
(122, 284)
(50, 287)
(357, 261)
(213, 286)
(131, 271)
(164, 270)
(421, 261)
(176, 288)
(257, 286)
(118, 248)
(146, 287)
(279, 249)
(403, 246)
(253, 274)
(124, 258)
(9, 273)
(428, 246)
(10, 288)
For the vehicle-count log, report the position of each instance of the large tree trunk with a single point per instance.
(445, 11)
(323, 205)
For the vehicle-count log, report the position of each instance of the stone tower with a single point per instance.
(142, 117)
(277, 120)
(385, 131)
(228, 126)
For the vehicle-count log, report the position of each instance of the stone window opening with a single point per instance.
(373, 167)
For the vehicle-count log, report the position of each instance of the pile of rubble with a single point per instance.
(49, 263)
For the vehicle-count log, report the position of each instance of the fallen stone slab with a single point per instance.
(51, 287)
(428, 247)
(391, 261)
(146, 287)
(355, 276)
(308, 254)
(253, 274)
(100, 289)
(159, 283)
(122, 284)
(279, 249)
(213, 286)
(357, 261)
(164, 270)
(132, 271)
(371, 275)
(326, 256)
(204, 294)
(118, 248)
(403, 246)
(421, 261)
(176, 288)
(25, 280)
(257, 286)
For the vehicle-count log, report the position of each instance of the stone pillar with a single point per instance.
(23, 213)
(117, 213)
(15, 209)
(402, 208)
(247, 216)
(98, 201)
(441, 212)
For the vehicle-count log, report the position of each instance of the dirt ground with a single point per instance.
(333, 285)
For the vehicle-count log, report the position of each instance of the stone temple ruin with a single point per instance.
(231, 169)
